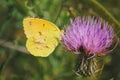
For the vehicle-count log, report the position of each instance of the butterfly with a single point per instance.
(42, 36)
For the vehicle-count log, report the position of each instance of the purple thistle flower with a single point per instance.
(89, 34)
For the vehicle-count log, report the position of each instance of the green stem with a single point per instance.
(59, 11)
(106, 14)
(21, 7)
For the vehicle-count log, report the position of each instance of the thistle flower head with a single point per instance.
(88, 34)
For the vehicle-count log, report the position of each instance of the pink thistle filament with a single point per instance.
(88, 34)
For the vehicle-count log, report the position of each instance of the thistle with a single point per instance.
(88, 37)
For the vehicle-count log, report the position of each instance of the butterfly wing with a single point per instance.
(42, 36)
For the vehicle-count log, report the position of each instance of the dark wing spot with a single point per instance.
(40, 33)
(44, 39)
(36, 42)
(46, 46)
(30, 23)
(43, 25)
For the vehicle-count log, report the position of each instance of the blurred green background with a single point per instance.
(17, 64)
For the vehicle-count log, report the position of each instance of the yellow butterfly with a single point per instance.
(42, 36)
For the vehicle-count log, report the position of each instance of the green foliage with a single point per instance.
(17, 64)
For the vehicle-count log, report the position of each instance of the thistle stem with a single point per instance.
(105, 14)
